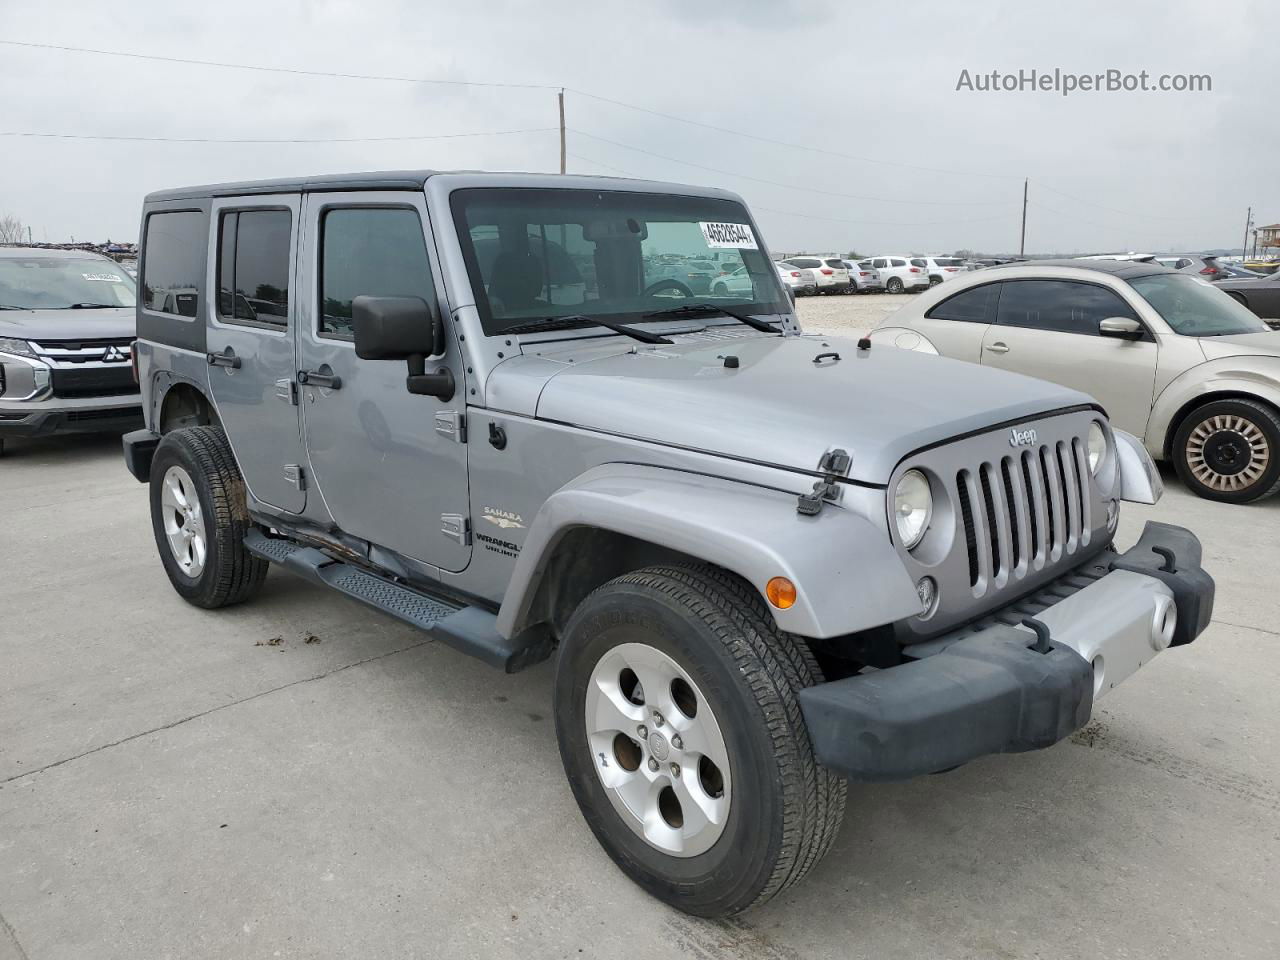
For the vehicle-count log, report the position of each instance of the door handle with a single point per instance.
(998, 347)
(227, 358)
(324, 377)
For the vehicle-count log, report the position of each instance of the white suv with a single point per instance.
(901, 274)
(830, 272)
(942, 269)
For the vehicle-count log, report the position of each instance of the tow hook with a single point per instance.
(1043, 642)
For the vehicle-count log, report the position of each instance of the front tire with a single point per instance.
(1229, 450)
(894, 285)
(199, 516)
(679, 725)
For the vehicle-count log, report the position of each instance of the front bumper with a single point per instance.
(70, 415)
(989, 688)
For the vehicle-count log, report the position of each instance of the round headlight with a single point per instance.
(1097, 446)
(912, 507)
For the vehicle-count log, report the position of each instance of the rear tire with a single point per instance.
(1229, 450)
(894, 285)
(199, 515)
(705, 633)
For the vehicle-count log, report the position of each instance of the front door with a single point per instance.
(390, 465)
(1049, 329)
(251, 343)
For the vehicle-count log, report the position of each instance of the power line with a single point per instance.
(469, 83)
(1123, 213)
(808, 216)
(778, 183)
(790, 145)
(244, 140)
(267, 69)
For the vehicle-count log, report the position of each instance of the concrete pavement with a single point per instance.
(182, 783)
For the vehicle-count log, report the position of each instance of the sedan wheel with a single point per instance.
(1229, 450)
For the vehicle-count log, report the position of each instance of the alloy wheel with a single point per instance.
(1227, 453)
(184, 522)
(658, 749)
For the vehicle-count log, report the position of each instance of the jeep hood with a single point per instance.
(780, 407)
(112, 323)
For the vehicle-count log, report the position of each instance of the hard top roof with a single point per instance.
(415, 180)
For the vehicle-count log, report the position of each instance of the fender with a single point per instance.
(847, 574)
(1253, 376)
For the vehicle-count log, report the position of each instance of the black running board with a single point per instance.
(469, 629)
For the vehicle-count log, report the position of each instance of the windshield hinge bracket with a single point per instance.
(833, 465)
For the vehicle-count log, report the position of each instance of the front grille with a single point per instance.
(85, 351)
(1014, 507)
(1024, 511)
(95, 381)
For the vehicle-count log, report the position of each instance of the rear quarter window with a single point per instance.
(975, 305)
(173, 254)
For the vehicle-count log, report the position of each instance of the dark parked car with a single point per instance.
(1260, 294)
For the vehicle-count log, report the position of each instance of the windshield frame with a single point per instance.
(623, 310)
(93, 265)
(1248, 322)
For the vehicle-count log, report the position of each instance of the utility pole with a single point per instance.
(1022, 244)
(560, 98)
(1248, 222)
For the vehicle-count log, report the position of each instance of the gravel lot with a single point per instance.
(843, 315)
(301, 777)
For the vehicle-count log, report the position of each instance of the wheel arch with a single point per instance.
(619, 517)
(184, 404)
(1179, 415)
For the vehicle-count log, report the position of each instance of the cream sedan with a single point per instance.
(1171, 359)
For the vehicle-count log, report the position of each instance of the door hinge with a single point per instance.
(456, 527)
(287, 390)
(295, 475)
(452, 424)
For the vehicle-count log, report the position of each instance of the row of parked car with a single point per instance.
(808, 276)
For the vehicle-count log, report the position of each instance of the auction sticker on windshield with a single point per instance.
(735, 235)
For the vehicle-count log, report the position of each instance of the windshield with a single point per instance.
(539, 253)
(1193, 308)
(48, 283)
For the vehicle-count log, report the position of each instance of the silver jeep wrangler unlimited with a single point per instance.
(512, 411)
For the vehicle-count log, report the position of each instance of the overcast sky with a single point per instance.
(1141, 171)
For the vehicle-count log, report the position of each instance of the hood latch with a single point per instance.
(833, 465)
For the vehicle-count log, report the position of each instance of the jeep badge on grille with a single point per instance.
(1022, 438)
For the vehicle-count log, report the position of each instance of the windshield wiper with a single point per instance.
(578, 319)
(5, 306)
(702, 309)
(93, 306)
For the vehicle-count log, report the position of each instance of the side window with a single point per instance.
(369, 251)
(880, 263)
(976, 305)
(898, 263)
(253, 267)
(173, 261)
(1063, 306)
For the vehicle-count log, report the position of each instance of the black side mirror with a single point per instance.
(1122, 328)
(403, 328)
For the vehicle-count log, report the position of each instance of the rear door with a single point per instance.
(391, 466)
(1049, 329)
(250, 342)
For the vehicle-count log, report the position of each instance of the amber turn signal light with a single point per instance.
(781, 592)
